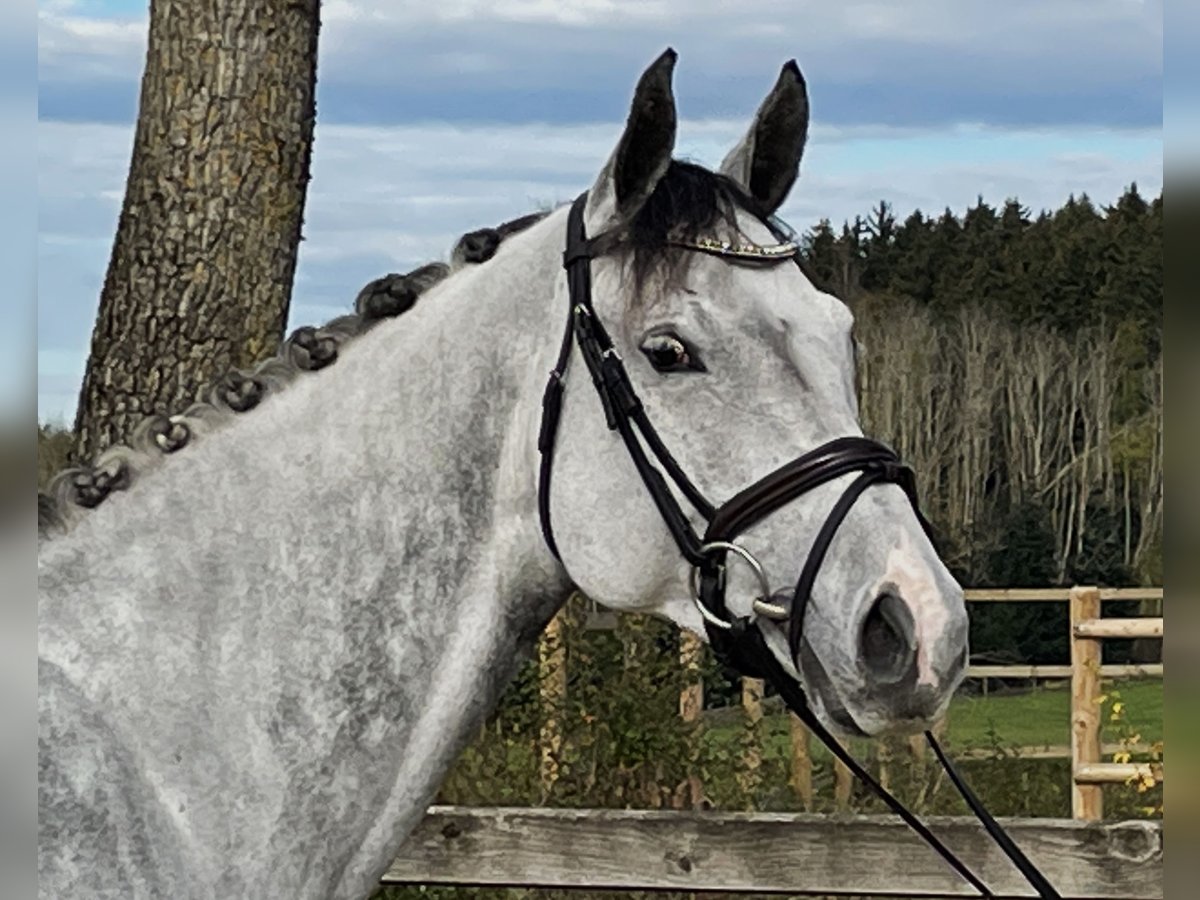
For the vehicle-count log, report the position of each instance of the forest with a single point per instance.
(1016, 362)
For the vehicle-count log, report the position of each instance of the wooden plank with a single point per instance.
(1131, 593)
(600, 619)
(1117, 773)
(1014, 671)
(1001, 595)
(1087, 801)
(795, 853)
(1113, 670)
(1004, 595)
(1040, 751)
(1096, 627)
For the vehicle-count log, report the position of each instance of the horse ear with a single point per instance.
(767, 160)
(643, 153)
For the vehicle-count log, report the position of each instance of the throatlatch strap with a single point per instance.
(575, 261)
(622, 409)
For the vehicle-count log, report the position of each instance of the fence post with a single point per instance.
(691, 706)
(916, 751)
(552, 693)
(883, 757)
(750, 776)
(1087, 800)
(843, 782)
(801, 778)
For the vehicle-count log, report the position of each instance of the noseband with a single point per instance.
(738, 641)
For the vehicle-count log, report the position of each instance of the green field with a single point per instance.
(1042, 717)
(1035, 719)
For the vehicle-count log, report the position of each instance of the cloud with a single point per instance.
(76, 47)
(925, 62)
(389, 198)
(435, 118)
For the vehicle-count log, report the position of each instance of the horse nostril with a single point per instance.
(888, 639)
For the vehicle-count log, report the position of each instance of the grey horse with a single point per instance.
(259, 655)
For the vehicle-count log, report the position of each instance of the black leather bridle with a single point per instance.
(738, 640)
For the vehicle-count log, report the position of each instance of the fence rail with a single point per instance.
(793, 853)
(1088, 773)
(1087, 629)
(1027, 595)
(1116, 670)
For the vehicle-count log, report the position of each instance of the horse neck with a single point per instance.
(426, 425)
(354, 568)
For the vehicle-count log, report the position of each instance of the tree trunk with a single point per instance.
(201, 272)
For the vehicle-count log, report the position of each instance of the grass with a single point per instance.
(1042, 717)
(1038, 718)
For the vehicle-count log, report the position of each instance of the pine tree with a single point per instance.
(1016, 292)
(912, 265)
(1075, 269)
(820, 250)
(880, 228)
(947, 262)
(1131, 273)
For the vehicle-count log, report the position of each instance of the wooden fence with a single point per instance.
(1087, 630)
(1088, 773)
(815, 855)
(793, 853)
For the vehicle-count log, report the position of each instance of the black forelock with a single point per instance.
(689, 202)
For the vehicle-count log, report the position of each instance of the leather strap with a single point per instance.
(622, 409)
(751, 649)
(790, 481)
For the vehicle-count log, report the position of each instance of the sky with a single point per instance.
(436, 118)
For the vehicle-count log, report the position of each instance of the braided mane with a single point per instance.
(309, 348)
(688, 201)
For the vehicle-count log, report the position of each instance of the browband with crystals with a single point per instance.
(742, 251)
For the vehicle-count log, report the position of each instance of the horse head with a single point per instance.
(736, 362)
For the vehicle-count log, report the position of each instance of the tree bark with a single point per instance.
(201, 272)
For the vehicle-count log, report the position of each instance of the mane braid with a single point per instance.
(688, 203)
(309, 348)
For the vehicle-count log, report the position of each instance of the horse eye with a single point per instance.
(670, 353)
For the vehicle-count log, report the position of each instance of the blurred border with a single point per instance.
(1181, 466)
(18, 340)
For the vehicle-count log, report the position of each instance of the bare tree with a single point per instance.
(201, 271)
(971, 398)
